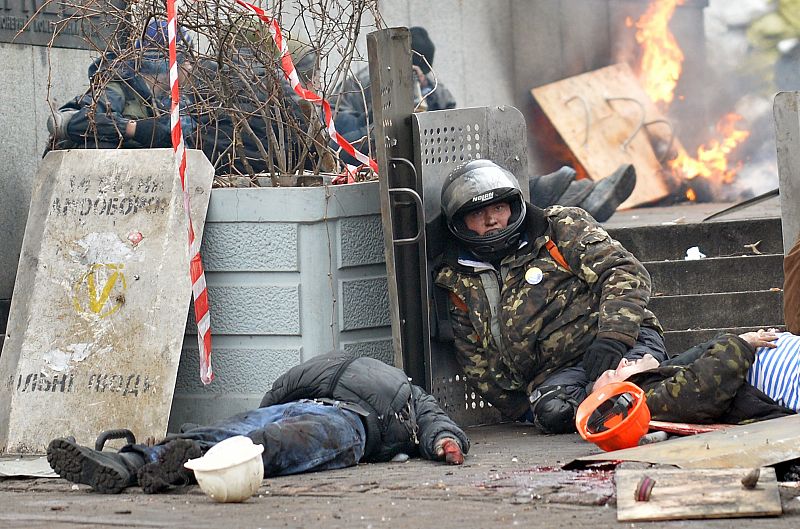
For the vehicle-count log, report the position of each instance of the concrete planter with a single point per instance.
(292, 273)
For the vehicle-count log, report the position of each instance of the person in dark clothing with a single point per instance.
(128, 102)
(730, 379)
(434, 95)
(250, 120)
(331, 411)
(353, 101)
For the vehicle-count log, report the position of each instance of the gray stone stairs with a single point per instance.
(733, 289)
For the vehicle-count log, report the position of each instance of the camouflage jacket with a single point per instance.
(707, 384)
(544, 316)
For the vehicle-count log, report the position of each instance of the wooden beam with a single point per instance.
(696, 494)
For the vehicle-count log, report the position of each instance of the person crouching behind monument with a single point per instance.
(329, 412)
(541, 301)
(128, 102)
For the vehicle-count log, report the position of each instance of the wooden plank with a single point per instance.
(696, 494)
(753, 445)
(599, 115)
(683, 428)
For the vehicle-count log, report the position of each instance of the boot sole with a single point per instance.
(152, 479)
(76, 464)
(169, 470)
(609, 193)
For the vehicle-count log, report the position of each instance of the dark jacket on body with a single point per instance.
(401, 417)
(119, 94)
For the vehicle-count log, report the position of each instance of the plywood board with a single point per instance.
(101, 297)
(696, 494)
(599, 115)
(759, 444)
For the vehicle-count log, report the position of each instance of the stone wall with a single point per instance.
(30, 74)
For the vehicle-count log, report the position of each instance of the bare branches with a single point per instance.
(240, 109)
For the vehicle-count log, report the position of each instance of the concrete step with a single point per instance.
(717, 274)
(715, 239)
(679, 341)
(720, 310)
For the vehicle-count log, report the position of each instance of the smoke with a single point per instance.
(742, 83)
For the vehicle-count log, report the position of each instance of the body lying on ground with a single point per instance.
(731, 379)
(329, 412)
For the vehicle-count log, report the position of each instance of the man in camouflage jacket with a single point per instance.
(523, 323)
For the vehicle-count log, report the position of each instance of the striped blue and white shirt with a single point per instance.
(776, 372)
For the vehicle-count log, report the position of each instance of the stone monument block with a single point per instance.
(101, 297)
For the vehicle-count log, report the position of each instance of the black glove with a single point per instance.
(603, 354)
(553, 410)
(153, 132)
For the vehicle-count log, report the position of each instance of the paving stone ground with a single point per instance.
(511, 478)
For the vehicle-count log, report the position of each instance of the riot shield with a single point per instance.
(443, 140)
(415, 153)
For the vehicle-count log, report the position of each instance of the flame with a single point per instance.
(662, 58)
(659, 71)
(712, 159)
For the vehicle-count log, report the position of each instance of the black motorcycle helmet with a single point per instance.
(475, 185)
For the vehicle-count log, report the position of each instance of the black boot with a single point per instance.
(576, 193)
(169, 471)
(105, 472)
(545, 190)
(610, 192)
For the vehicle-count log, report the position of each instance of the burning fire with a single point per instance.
(712, 160)
(662, 58)
(660, 70)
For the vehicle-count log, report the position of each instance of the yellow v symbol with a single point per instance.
(92, 292)
(96, 303)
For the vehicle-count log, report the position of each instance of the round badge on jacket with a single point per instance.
(534, 276)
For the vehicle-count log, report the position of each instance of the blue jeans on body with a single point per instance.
(300, 436)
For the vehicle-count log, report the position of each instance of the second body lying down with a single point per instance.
(730, 379)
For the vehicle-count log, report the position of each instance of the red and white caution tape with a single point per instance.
(198, 276)
(199, 289)
(287, 65)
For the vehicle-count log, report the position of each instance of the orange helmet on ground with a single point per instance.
(614, 417)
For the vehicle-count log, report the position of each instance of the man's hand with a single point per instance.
(603, 354)
(761, 338)
(423, 80)
(57, 123)
(449, 449)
